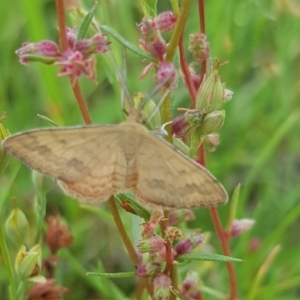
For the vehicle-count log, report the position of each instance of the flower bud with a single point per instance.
(3, 154)
(240, 226)
(57, 235)
(147, 26)
(151, 225)
(162, 255)
(227, 95)
(187, 245)
(213, 141)
(165, 21)
(178, 216)
(166, 75)
(254, 245)
(45, 51)
(210, 96)
(47, 291)
(152, 245)
(153, 42)
(96, 44)
(161, 285)
(148, 269)
(199, 46)
(190, 286)
(172, 233)
(71, 36)
(191, 119)
(180, 126)
(17, 226)
(74, 64)
(212, 122)
(28, 264)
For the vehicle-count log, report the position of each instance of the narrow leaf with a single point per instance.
(112, 275)
(86, 22)
(207, 257)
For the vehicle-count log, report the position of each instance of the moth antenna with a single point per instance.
(125, 112)
(156, 108)
(121, 75)
(154, 91)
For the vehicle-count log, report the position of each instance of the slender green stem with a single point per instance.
(7, 263)
(42, 200)
(166, 111)
(179, 27)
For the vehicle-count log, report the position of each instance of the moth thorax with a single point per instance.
(135, 115)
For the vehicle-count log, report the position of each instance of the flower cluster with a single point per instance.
(155, 44)
(207, 117)
(154, 252)
(76, 61)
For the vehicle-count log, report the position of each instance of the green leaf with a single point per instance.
(112, 275)
(207, 257)
(232, 207)
(149, 7)
(140, 210)
(196, 141)
(86, 22)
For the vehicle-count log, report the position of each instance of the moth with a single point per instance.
(92, 163)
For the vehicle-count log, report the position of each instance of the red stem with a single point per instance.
(64, 46)
(186, 72)
(60, 10)
(222, 235)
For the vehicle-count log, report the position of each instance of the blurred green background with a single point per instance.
(259, 141)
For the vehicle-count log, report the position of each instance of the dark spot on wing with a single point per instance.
(43, 150)
(75, 163)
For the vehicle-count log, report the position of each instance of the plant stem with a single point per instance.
(42, 213)
(186, 72)
(60, 10)
(64, 46)
(123, 233)
(7, 263)
(226, 250)
(179, 27)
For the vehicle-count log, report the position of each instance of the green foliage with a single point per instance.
(207, 257)
(259, 141)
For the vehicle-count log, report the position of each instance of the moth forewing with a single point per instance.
(91, 163)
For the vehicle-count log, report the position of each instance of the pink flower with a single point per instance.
(96, 44)
(76, 61)
(150, 227)
(187, 245)
(153, 42)
(165, 21)
(46, 291)
(240, 226)
(148, 269)
(44, 51)
(161, 285)
(152, 245)
(75, 65)
(190, 286)
(199, 46)
(166, 75)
